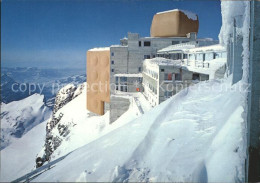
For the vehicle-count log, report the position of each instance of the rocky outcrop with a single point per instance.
(55, 130)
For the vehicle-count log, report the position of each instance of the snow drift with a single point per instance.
(194, 136)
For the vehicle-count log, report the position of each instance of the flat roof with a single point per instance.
(178, 47)
(100, 49)
(137, 75)
(216, 47)
(162, 62)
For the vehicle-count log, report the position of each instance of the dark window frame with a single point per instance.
(147, 43)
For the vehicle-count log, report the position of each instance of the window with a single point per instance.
(196, 76)
(162, 70)
(112, 70)
(168, 76)
(185, 41)
(112, 53)
(123, 79)
(185, 56)
(116, 79)
(139, 69)
(112, 62)
(121, 88)
(147, 43)
(140, 43)
(175, 42)
(168, 94)
(178, 77)
(147, 57)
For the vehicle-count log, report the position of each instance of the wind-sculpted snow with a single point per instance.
(193, 136)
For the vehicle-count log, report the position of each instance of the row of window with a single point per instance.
(121, 88)
(172, 77)
(178, 42)
(153, 89)
(139, 69)
(145, 43)
(207, 56)
(151, 73)
(175, 56)
(124, 80)
(148, 43)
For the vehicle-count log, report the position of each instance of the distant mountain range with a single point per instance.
(7, 94)
(18, 117)
(47, 81)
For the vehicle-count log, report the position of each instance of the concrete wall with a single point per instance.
(129, 59)
(118, 106)
(253, 125)
(131, 84)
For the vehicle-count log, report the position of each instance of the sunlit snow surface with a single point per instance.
(193, 136)
(19, 117)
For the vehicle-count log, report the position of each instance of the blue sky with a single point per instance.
(57, 33)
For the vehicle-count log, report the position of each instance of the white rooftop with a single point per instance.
(100, 49)
(162, 61)
(138, 75)
(115, 46)
(216, 47)
(215, 64)
(176, 47)
(189, 14)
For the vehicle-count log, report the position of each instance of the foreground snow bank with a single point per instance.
(194, 136)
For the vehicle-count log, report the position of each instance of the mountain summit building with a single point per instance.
(126, 60)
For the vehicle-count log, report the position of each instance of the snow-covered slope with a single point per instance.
(18, 117)
(193, 136)
(73, 126)
(19, 157)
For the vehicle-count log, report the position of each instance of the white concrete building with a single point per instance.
(187, 65)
